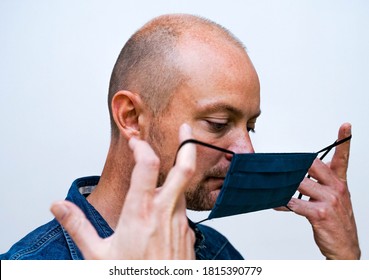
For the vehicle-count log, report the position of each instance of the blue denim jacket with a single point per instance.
(52, 242)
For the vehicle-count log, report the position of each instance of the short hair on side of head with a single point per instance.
(148, 63)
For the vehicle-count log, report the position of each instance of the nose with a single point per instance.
(241, 145)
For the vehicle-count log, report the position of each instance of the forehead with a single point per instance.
(218, 77)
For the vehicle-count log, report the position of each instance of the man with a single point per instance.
(187, 76)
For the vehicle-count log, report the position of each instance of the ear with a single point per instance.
(127, 109)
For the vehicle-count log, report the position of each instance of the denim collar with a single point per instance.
(77, 194)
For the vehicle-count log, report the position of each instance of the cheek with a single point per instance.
(207, 159)
(164, 148)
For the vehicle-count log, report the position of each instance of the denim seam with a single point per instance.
(72, 246)
(50, 235)
(220, 250)
(96, 219)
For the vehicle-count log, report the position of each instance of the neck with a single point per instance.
(109, 195)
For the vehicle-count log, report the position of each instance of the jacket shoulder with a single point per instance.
(216, 246)
(46, 242)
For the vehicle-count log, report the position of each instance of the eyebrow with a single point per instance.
(217, 107)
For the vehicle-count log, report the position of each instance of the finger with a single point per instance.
(322, 173)
(145, 172)
(282, 209)
(180, 175)
(191, 239)
(302, 207)
(312, 189)
(189, 243)
(339, 163)
(78, 227)
(309, 188)
(181, 236)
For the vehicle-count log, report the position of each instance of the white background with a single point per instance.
(55, 62)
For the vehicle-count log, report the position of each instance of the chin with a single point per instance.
(198, 208)
(201, 201)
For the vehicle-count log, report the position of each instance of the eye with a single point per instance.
(217, 127)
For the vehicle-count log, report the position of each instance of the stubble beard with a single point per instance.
(198, 195)
(202, 197)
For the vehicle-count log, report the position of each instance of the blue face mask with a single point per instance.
(258, 181)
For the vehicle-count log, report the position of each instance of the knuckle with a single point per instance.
(305, 184)
(184, 222)
(151, 162)
(188, 232)
(322, 213)
(74, 224)
(341, 188)
(187, 169)
(184, 228)
(333, 200)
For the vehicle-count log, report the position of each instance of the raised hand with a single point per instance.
(153, 222)
(329, 208)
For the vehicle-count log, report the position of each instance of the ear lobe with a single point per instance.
(126, 108)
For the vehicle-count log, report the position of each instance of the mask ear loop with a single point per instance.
(326, 150)
(194, 141)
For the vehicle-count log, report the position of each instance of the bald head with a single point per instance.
(149, 63)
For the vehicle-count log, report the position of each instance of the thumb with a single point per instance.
(78, 227)
(340, 159)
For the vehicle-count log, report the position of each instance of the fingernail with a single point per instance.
(185, 132)
(290, 205)
(132, 141)
(186, 128)
(59, 211)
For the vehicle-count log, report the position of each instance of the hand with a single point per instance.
(153, 222)
(329, 208)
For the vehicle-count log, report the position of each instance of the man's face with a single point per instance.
(221, 102)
